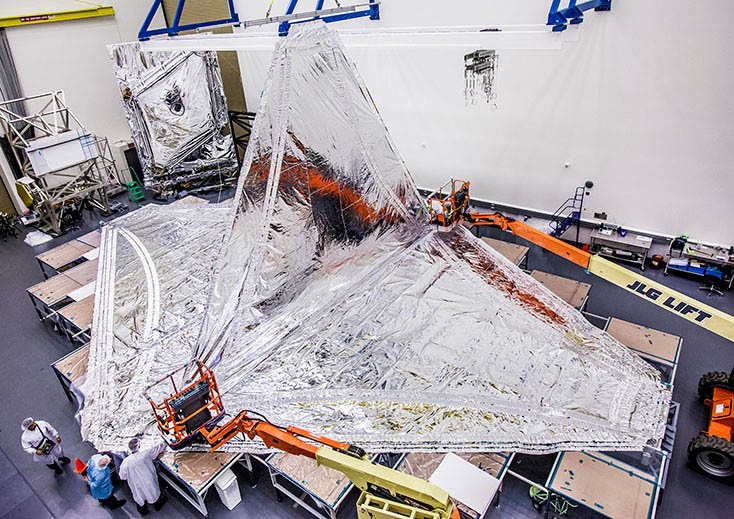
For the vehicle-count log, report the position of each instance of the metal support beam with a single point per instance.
(371, 9)
(240, 128)
(311, 15)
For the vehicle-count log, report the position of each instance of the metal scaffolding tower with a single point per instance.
(63, 164)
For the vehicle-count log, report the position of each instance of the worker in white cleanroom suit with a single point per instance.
(139, 471)
(43, 442)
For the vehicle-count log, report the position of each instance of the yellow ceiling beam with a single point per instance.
(59, 16)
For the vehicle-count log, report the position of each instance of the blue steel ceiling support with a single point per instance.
(284, 26)
(146, 32)
(574, 13)
(373, 11)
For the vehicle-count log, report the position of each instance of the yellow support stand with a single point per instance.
(365, 474)
(84, 10)
(683, 306)
(374, 507)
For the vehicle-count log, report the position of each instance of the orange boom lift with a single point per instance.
(195, 413)
(449, 207)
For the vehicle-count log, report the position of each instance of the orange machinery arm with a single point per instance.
(285, 439)
(447, 210)
(174, 426)
(651, 291)
(533, 235)
(380, 485)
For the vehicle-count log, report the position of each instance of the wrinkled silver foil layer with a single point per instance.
(175, 105)
(323, 299)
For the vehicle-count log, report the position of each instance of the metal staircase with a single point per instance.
(563, 219)
(135, 191)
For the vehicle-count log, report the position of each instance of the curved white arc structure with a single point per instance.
(153, 312)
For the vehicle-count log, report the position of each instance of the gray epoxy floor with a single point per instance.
(29, 387)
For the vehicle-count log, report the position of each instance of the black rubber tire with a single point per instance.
(712, 455)
(709, 381)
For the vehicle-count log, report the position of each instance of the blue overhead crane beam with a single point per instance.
(574, 13)
(146, 32)
(372, 10)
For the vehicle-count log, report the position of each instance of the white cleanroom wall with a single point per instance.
(641, 104)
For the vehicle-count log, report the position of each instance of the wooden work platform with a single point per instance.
(74, 365)
(325, 483)
(423, 465)
(83, 273)
(575, 293)
(91, 238)
(653, 344)
(63, 255)
(513, 252)
(604, 484)
(192, 474)
(197, 469)
(78, 318)
(53, 290)
(71, 368)
(67, 298)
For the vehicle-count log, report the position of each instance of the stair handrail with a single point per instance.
(578, 197)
